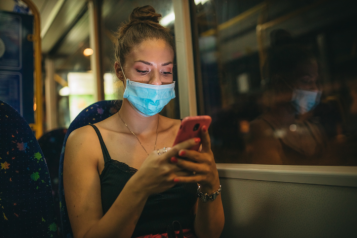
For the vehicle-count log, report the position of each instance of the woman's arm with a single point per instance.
(83, 195)
(82, 187)
(209, 221)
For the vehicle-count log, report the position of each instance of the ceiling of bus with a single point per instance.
(45, 8)
(65, 26)
(114, 12)
(57, 17)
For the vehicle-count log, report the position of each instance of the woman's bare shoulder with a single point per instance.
(82, 141)
(81, 134)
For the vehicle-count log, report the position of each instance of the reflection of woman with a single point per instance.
(285, 134)
(124, 186)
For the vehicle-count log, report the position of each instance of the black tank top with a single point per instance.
(160, 210)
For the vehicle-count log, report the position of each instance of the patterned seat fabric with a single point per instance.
(26, 202)
(51, 145)
(94, 113)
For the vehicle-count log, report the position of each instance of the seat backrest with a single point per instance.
(26, 202)
(51, 145)
(94, 113)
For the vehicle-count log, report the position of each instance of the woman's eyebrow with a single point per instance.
(144, 62)
(148, 63)
(167, 63)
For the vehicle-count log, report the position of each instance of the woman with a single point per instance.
(116, 181)
(285, 134)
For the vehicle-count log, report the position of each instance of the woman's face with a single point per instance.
(304, 77)
(307, 77)
(149, 62)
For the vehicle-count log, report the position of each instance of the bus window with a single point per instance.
(278, 79)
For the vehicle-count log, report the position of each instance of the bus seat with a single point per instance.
(26, 202)
(90, 115)
(51, 145)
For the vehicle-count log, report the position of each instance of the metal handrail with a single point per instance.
(38, 126)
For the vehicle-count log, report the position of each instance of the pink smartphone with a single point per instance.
(191, 127)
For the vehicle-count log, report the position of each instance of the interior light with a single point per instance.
(88, 52)
(65, 91)
(244, 126)
(167, 19)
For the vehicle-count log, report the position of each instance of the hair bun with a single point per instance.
(145, 13)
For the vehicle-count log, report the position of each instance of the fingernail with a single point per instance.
(204, 128)
(182, 153)
(173, 160)
(176, 180)
(197, 140)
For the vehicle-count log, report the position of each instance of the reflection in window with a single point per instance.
(279, 80)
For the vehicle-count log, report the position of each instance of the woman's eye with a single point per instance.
(142, 71)
(167, 72)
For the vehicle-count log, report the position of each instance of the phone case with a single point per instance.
(191, 127)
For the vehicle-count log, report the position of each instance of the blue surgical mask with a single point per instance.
(304, 101)
(148, 99)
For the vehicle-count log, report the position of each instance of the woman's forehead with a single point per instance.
(152, 50)
(309, 67)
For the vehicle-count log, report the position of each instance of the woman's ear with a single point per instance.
(118, 71)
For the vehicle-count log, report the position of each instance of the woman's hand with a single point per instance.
(157, 173)
(201, 164)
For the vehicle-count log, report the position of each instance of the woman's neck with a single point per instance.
(136, 122)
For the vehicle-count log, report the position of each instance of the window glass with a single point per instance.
(278, 79)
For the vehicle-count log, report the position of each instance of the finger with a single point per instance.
(183, 145)
(193, 156)
(178, 171)
(192, 166)
(190, 179)
(182, 173)
(206, 140)
(175, 170)
(200, 149)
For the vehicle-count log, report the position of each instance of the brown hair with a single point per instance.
(143, 24)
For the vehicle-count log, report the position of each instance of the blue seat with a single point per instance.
(94, 113)
(51, 144)
(26, 202)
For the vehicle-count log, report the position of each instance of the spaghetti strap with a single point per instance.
(106, 155)
(269, 124)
